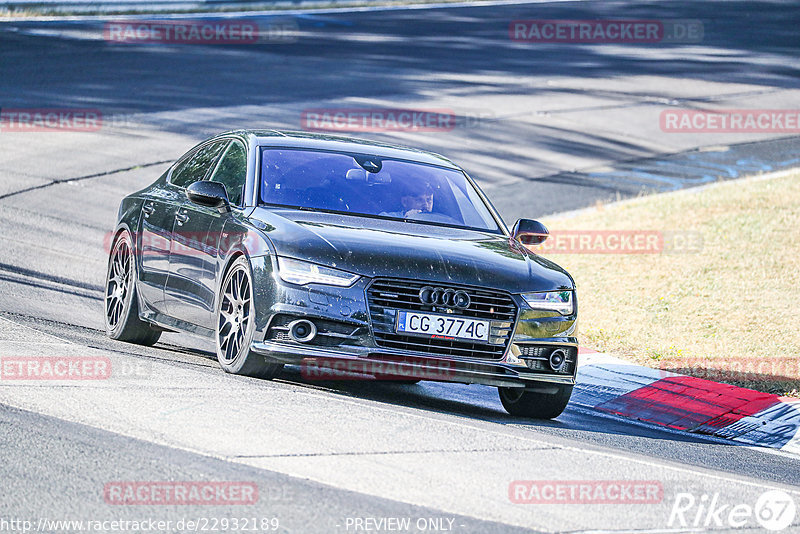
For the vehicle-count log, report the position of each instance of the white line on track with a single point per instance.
(39, 332)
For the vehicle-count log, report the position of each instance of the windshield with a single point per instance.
(371, 186)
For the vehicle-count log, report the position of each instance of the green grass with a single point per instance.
(716, 313)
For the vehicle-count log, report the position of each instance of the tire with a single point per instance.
(235, 320)
(535, 404)
(121, 304)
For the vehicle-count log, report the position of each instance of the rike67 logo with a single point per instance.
(774, 510)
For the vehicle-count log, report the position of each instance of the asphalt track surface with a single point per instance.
(544, 128)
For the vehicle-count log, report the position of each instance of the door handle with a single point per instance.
(181, 218)
(148, 209)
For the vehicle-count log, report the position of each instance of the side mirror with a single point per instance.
(530, 232)
(211, 194)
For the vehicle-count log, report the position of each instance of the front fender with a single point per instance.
(240, 239)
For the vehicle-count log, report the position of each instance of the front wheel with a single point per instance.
(535, 404)
(236, 325)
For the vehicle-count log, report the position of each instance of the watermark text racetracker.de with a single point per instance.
(203, 32)
(38, 120)
(730, 121)
(565, 31)
(190, 243)
(44, 369)
(387, 369)
(620, 242)
(180, 493)
(585, 492)
(391, 119)
(377, 120)
(54, 368)
(50, 119)
(558, 242)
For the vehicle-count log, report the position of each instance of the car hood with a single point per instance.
(376, 247)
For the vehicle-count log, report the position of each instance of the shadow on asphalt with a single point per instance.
(477, 402)
(370, 54)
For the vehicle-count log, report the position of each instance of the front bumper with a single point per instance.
(326, 364)
(351, 345)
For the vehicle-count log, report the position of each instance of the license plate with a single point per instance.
(448, 326)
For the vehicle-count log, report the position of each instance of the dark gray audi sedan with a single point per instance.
(349, 258)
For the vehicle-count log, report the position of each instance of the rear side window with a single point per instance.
(194, 168)
(232, 172)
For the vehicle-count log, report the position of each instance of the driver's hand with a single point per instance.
(409, 213)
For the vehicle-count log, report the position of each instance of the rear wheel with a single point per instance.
(535, 404)
(121, 303)
(236, 325)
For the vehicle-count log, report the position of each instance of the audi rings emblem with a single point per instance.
(449, 298)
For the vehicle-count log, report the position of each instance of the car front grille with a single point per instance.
(387, 296)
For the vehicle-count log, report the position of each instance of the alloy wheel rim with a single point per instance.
(234, 314)
(118, 283)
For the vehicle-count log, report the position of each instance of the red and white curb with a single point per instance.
(687, 403)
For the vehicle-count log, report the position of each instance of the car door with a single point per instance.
(185, 268)
(194, 264)
(156, 222)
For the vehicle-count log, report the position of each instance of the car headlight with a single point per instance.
(303, 272)
(558, 301)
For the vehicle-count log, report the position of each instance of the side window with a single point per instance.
(232, 172)
(194, 168)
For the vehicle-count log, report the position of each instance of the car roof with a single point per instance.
(337, 143)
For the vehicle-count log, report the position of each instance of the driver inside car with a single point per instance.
(415, 200)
